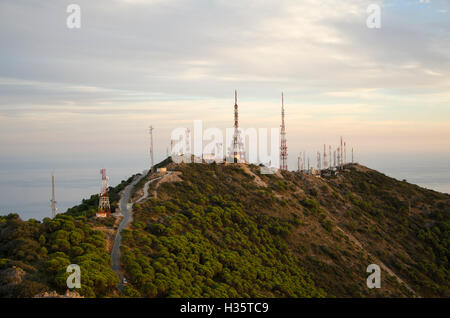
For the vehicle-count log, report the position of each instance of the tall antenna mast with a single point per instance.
(150, 130)
(329, 157)
(304, 160)
(341, 155)
(318, 161)
(236, 129)
(334, 160)
(104, 208)
(238, 146)
(345, 153)
(188, 145)
(283, 147)
(53, 199)
(338, 158)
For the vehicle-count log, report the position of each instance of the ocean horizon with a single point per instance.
(25, 186)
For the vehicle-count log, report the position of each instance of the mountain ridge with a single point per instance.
(226, 230)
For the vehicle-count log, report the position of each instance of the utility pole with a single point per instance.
(53, 199)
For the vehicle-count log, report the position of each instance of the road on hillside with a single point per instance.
(126, 210)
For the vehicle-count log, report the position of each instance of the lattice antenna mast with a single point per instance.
(341, 155)
(150, 130)
(345, 153)
(304, 160)
(236, 130)
(283, 147)
(104, 208)
(188, 145)
(338, 157)
(53, 199)
(308, 164)
(329, 157)
(334, 159)
(238, 145)
(318, 161)
(188, 141)
(218, 151)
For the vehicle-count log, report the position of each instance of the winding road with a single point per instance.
(126, 209)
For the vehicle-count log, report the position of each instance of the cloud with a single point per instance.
(136, 62)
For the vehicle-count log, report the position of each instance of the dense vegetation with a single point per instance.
(228, 231)
(43, 250)
(34, 255)
(213, 250)
(219, 233)
(410, 225)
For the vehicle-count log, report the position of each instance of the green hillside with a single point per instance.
(226, 230)
(211, 230)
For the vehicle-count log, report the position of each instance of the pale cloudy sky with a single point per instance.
(92, 92)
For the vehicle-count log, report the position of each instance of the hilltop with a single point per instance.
(226, 230)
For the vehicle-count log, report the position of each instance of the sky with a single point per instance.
(85, 97)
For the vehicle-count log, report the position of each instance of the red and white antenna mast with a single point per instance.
(283, 147)
(236, 130)
(238, 146)
(104, 208)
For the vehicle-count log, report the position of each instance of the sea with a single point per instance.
(25, 184)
